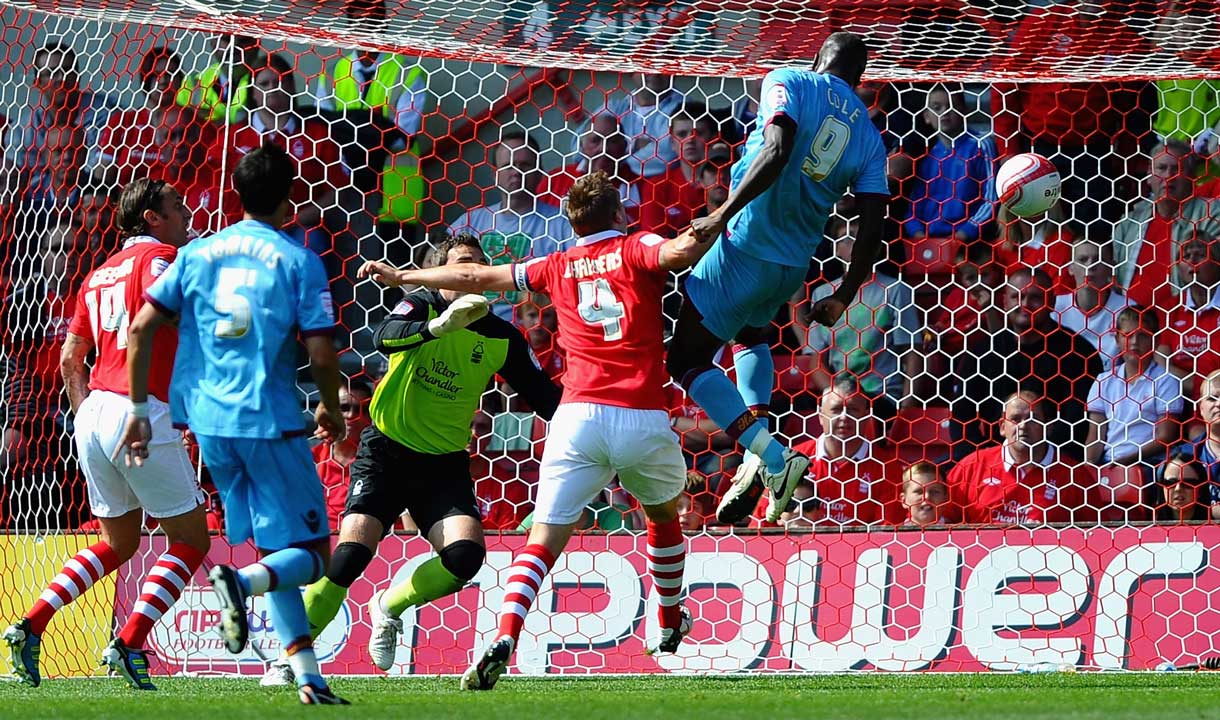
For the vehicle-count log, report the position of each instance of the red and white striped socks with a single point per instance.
(666, 561)
(161, 589)
(524, 579)
(87, 567)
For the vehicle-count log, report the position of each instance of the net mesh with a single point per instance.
(1036, 534)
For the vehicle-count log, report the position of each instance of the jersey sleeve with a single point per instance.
(166, 293)
(873, 174)
(156, 263)
(533, 275)
(315, 311)
(525, 375)
(406, 326)
(779, 97)
(643, 250)
(80, 325)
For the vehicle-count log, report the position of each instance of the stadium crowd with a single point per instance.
(994, 370)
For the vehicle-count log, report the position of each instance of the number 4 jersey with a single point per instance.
(607, 294)
(836, 147)
(107, 300)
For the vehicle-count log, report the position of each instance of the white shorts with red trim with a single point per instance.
(588, 444)
(165, 485)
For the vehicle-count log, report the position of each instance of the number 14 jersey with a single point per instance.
(607, 294)
(108, 299)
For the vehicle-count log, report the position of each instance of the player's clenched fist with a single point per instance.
(827, 311)
(708, 228)
(381, 272)
(332, 426)
(460, 313)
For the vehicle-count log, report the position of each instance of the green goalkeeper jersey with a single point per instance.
(429, 394)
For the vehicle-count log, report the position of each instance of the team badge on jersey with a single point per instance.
(402, 308)
(158, 266)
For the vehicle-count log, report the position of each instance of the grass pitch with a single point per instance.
(874, 697)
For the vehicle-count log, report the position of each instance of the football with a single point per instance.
(1028, 184)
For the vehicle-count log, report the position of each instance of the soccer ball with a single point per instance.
(1028, 184)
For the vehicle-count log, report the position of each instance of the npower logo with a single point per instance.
(188, 632)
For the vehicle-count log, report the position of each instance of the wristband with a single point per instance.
(139, 409)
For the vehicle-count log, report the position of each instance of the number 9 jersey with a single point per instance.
(108, 299)
(607, 294)
(836, 147)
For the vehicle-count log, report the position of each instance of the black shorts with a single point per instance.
(388, 478)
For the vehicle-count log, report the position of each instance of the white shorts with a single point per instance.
(588, 444)
(165, 486)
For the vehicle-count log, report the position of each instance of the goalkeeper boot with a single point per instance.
(24, 648)
(130, 663)
(484, 674)
(234, 625)
(383, 642)
(743, 495)
(671, 638)
(314, 695)
(279, 674)
(782, 484)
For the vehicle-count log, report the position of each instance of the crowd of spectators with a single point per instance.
(1052, 369)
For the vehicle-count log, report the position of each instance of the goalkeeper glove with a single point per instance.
(460, 313)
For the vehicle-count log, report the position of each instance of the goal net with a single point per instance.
(1014, 427)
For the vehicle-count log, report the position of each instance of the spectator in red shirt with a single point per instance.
(1149, 238)
(804, 515)
(715, 177)
(1191, 339)
(1075, 125)
(274, 117)
(1021, 481)
(849, 481)
(603, 148)
(1181, 493)
(672, 198)
(334, 460)
(1044, 242)
(925, 496)
(37, 311)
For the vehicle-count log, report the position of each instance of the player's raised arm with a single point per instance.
(683, 251)
(778, 139)
(464, 277)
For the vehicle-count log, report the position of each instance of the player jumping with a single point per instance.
(241, 297)
(816, 140)
(414, 456)
(155, 223)
(607, 295)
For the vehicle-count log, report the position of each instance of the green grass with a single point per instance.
(875, 697)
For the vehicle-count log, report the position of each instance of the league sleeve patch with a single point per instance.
(404, 307)
(651, 239)
(158, 266)
(533, 357)
(777, 97)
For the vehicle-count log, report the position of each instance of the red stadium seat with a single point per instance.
(793, 373)
(935, 256)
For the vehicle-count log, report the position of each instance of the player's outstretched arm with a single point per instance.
(324, 367)
(138, 433)
(683, 251)
(872, 208)
(72, 368)
(466, 277)
(778, 138)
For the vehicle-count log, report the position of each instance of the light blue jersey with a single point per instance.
(243, 295)
(836, 147)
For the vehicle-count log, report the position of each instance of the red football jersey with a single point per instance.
(1193, 339)
(107, 300)
(989, 492)
(852, 491)
(607, 296)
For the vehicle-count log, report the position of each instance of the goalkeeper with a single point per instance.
(444, 349)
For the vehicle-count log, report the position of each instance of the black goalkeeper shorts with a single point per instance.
(388, 478)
